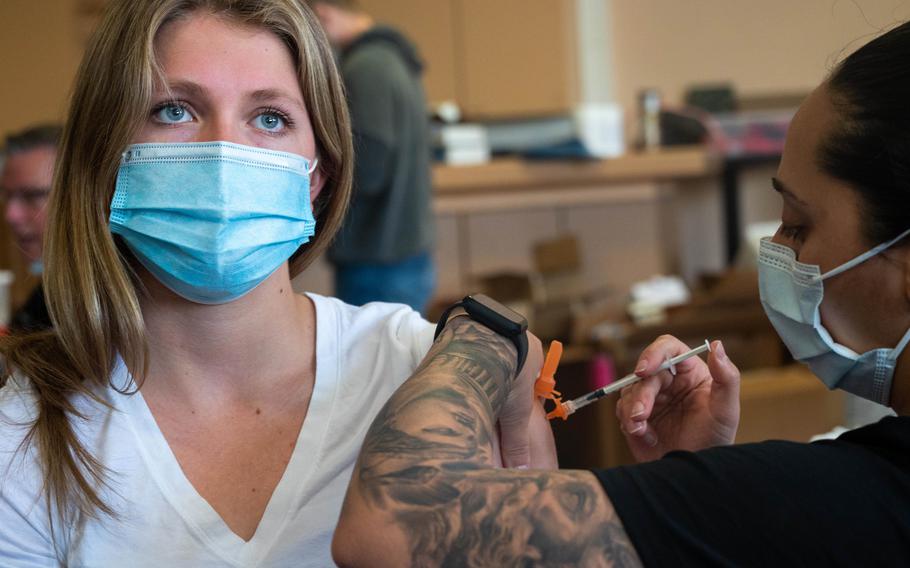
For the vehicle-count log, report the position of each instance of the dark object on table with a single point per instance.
(678, 129)
(712, 98)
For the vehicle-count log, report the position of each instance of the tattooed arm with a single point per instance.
(424, 492)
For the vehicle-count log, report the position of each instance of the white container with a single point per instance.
(465, 144)
(600, 128)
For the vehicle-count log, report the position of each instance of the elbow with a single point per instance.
(364, 539)
(344, 545)
(354, 542)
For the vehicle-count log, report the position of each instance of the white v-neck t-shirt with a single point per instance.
(362, 356)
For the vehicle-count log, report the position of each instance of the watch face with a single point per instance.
(510, 319)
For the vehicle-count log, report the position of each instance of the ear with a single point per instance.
(317, 182)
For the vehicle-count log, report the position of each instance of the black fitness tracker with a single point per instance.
(498, 318)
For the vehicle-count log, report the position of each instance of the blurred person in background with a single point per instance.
(383, 251)
(26, 173)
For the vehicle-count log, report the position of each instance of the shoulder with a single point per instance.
(364, 58)
(18, 410)
(22, 503)
(889, 438)
(374, 67)
(20, 407)
(721, 502)
(375, 325)
(751, 470)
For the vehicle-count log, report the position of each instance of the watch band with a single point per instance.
(493, 315)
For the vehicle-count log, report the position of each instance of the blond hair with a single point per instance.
(92, 293)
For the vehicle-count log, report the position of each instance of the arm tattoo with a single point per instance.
(427, 462)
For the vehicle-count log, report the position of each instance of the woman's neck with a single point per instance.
(243, 348)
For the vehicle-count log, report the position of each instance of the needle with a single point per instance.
(564, 409)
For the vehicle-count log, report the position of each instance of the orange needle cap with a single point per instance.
(559, 412)
(545, 386)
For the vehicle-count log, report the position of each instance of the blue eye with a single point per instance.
(270, 121)
(172, 114)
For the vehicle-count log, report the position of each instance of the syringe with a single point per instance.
(564, 409)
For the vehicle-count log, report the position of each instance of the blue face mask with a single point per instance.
(212, 220)
(791, 293)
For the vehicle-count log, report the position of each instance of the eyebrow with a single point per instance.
(195, 90)
(187, 88)
(265, 95)
(781, 188)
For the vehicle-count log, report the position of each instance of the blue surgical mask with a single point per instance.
(212, 220)
(791, 293)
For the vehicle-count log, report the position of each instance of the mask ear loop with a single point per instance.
(312, 169)
(863, 257)
(899, 348)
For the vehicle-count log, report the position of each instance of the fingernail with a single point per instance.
(650, 439)
(642, 367)
(719, 350)
(638, 428)
(638, 409)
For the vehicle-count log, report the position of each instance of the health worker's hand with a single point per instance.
(696, 409)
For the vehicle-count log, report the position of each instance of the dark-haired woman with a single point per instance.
(835, 282)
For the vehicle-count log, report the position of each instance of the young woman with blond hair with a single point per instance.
(190, 409)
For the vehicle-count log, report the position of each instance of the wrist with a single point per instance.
(463, 328)
(476, 356)
(494, 317)
(455, 313)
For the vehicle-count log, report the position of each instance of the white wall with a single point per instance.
(760, 46)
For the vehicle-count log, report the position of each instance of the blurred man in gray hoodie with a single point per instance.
(383, 252)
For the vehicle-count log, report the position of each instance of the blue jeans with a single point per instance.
(410, 281)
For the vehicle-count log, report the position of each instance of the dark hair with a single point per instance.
(33, 137)
(870, 147)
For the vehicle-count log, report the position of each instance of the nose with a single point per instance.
(776, 238)
(779, 239)
(220, 130)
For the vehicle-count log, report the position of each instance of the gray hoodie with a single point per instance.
(390, 217)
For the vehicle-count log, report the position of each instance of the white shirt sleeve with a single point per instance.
(418, 333)
(25, 539)
(24, 536)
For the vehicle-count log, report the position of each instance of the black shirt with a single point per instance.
(32, 316)
(843, 502)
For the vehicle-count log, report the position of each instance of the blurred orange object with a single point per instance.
(545, 387)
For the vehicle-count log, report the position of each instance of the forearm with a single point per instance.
(424, 492)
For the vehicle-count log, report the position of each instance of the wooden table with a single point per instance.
(509, 183)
